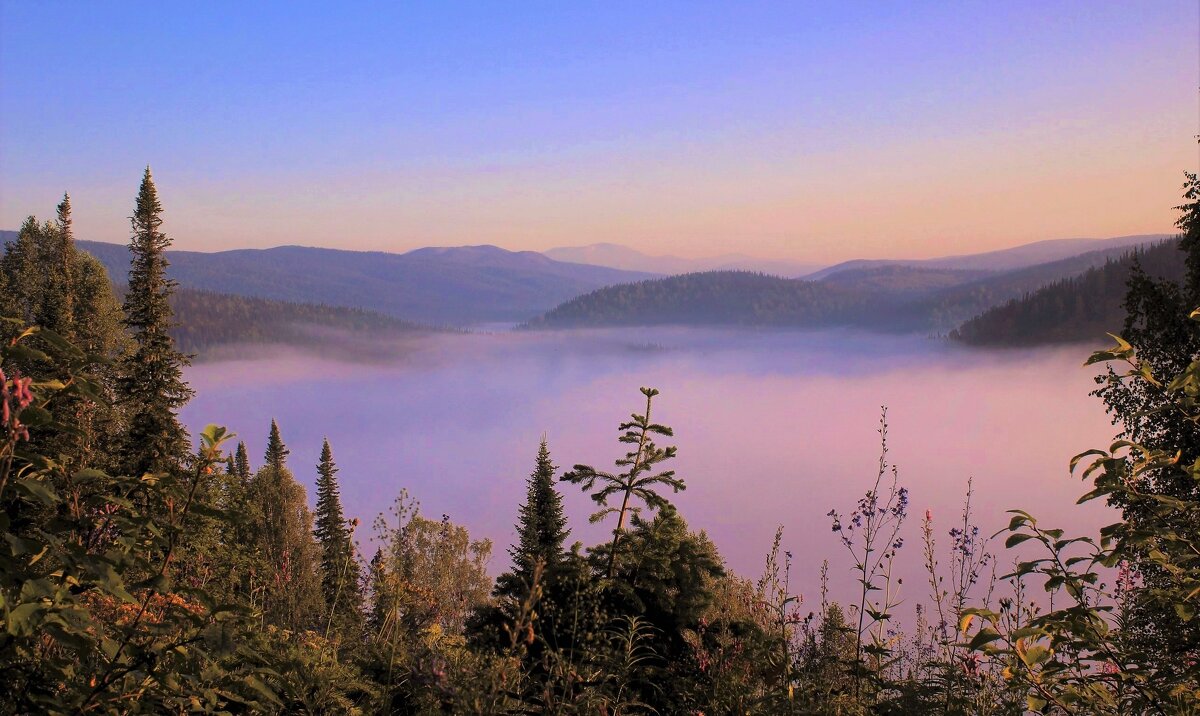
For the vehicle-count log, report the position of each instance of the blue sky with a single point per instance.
(816, 131)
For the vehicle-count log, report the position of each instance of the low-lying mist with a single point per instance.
(773, 428)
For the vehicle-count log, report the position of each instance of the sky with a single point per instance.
(808, 131)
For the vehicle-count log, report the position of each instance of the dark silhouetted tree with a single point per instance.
(241, 462)
(541, 529)
(1157, 325)
(151, 385)
(277, 452)
(381, 595)
(341, 577)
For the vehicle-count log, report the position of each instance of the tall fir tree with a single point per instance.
(57, 309)
(541, 529)
(241, 462)
(341, 575)
(277, 453)
(151, 384)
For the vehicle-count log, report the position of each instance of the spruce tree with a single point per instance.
(277, 452)
(57, 308)
(151, 384)
(541, 529)
(241, 462)
(340, 573)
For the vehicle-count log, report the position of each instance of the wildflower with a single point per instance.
(971, 664)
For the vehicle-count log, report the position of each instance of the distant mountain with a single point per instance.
(1017, 257)
(623, 257)
(458, 286)
(1080, 308)
(476, 284)
(710, 298)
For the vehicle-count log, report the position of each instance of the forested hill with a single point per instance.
(884, 298)
(456, 285)
(1079, 308)
(944, 310)
(710, 298)
(206, 321)
(903, 280)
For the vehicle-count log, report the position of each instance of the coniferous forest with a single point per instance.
(1078, 308)
(148, 570)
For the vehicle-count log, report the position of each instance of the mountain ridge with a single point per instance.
(889, 298)
(1011, 258)
(619, 256)
(438, 285)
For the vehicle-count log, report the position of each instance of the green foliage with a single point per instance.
(639, 479)
(21, 268)
(94, 617)
(433, 574)
(74, 300)
(207, 321)
(58, 296)
(341, 575)
(1163, 341)
(665, 580)
(289, 582)
(241, 462)
(1076, 308)
(195, 585)
(887, 298)
(427, 579)
(871, 534)
(541, 530)
(712, 298)
(277, 453)
(151, 385)
(1081, 657)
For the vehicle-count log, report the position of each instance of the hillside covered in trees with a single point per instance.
(205, 321)
(711, 298)
(147, 570)
(890, 298)
(1081, 308)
